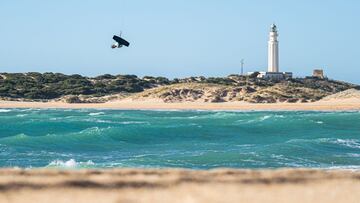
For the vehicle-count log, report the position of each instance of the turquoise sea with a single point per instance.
(95, 138)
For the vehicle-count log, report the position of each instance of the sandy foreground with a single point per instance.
(175, 185)
(329, 105)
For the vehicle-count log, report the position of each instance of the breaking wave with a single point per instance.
(352, 143)
(70, 164)
(96, 114)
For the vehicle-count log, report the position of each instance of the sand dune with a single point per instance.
(346, 100)
(352, 94)
(224, 185)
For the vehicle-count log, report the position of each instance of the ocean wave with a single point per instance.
(144, 155)
(16, 137)
(133, 122)
(96, 114)
(261, 116)
(21, 115)
(30, 109)
(92, 130)
(225, 114)
(5, 110)
(266, 117)
(353, 155)
(211, 115)
(83, 136)
(245, 145)
(95, 120)
(3, 148)
(70, 164)
(348, 167)
(351, 143)
(254, 120)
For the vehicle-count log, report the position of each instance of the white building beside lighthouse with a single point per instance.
(273, 58)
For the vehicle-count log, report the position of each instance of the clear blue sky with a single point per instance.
(179, 38)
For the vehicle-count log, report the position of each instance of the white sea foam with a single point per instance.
(21, 115)
(352, 143)
(265, 118)
(245, 145)
(97, 120)
(70, 164)
(55, 119)
(4, 110)
(96, 114)
(258, 119)
(353, 155)
(116, 122)
(144, 155)
(92, 130)
(349, 168)
(133, 122)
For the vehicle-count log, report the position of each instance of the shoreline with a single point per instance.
(179, 185)
(332, 105)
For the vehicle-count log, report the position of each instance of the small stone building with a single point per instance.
(318, 73)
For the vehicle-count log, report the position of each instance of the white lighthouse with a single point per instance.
(273, 50)
(273, 72)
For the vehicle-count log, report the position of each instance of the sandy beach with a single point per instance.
(328, 105)
(175, 185)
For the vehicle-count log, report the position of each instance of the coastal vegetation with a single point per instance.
(35, 86)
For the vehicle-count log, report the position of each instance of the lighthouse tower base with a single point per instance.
(275, 75)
